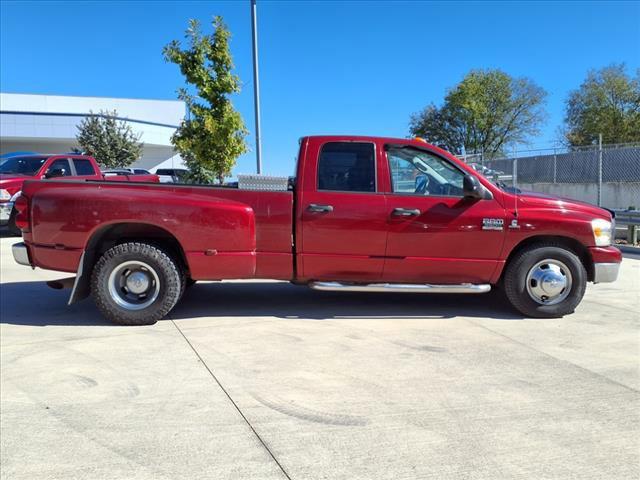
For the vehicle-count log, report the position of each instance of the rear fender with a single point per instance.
(214, 240)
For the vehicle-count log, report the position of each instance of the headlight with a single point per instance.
(601, 232)
(5, 196)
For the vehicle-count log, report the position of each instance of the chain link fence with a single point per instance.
(608, 176)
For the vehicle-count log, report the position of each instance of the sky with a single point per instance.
(359, 67)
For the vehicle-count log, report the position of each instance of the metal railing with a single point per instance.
(627, 217)
(607, 176)
(630, 218)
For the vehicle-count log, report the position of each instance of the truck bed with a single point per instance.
(201, 218)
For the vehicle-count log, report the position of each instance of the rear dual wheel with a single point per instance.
(136, 283)
(545, 281)
(11, 225)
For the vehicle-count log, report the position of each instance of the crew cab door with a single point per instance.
(435, 234)
(341, 212)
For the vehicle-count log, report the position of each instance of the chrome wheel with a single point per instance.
(134, 285)
(549, 282)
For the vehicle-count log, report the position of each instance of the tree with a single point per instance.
(213, 136)
(607, 103)
(487, 112)
(111, 141)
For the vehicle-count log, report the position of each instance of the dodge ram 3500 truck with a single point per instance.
(361, 214)
(16, 169)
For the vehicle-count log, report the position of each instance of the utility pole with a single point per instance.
(256, 85)
(600, 170)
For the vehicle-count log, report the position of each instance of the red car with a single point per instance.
(15, 170)
(362, 214)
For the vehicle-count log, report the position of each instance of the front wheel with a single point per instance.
(545, 281)
(136, 284)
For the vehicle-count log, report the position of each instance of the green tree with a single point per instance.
(607, 103)
(111, 141)
(213, 136)
(487, 112)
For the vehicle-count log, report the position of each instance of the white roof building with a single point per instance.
(48, 124)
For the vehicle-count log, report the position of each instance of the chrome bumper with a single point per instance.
(21, 254)
(605, 272)
(5, 212)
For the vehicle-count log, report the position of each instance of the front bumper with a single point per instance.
(5, 212)
(605, 272)
(606, 263)
(21, 254)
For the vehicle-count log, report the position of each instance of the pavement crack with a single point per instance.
(235, 405)
(590, 372)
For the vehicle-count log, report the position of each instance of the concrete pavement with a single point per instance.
(268, 380)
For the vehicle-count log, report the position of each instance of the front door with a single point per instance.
(343, 214)
(435, 234)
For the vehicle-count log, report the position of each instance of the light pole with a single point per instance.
(256, 85)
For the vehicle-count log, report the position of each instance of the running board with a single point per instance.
(401, 287)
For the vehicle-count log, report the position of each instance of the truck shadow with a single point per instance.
(33, 303)
(284, 300)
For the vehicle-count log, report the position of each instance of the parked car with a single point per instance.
(16, 169)
(494, 175)
(344, 224)
(172, 175)
(127, 171)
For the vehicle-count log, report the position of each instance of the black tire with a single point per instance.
(184, 281)
(117, 303)
(515, 281)
(11, 225)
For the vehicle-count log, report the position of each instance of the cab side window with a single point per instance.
(60, 164)
(347, 167)
(422, 173)
(83, 167)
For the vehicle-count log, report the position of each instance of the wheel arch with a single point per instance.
(107, 236)
(568, 243)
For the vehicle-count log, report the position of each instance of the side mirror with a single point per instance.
(472, 188)
(56, 172)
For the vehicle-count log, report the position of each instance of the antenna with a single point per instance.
(515, 179)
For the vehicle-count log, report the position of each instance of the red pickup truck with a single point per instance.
(15, 170)
(361, 214)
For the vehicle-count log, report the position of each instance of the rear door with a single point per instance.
(342, 212)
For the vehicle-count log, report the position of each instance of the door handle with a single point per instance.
(320, 208)
(405, 212)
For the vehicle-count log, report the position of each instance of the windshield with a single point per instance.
(21, 165)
